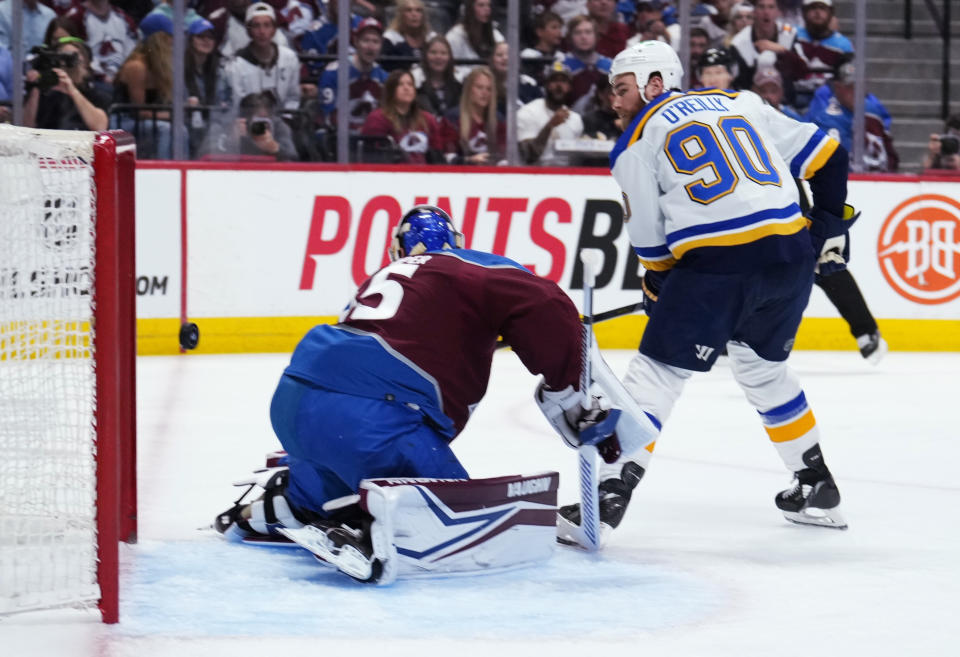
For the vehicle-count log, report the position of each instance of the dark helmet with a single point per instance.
(716, 57)
(424, 228)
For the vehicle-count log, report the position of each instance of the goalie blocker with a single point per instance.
(405, 527)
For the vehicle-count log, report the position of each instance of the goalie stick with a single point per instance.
(587, 533)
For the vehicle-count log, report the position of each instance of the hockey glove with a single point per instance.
(563, 410)
(651, 285)
(833, 256)
(824, 225)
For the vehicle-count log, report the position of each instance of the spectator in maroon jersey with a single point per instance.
(611, 33)
(474, 124)
(438, 90)
(818, 51)
(587, 65)
(415, 132)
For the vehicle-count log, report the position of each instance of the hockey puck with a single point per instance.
(189, 335)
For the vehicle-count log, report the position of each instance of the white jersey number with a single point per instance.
(391, 292)
(695, 146)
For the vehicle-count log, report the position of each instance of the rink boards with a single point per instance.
(271, 250)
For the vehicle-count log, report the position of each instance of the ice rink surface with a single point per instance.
(703, 565)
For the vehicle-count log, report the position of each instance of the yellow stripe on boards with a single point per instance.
(225, 335)
(794, 430)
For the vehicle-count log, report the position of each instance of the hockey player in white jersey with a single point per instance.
(712, 211)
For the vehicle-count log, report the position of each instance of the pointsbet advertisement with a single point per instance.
(270, 252)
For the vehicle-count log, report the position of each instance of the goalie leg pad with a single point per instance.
(441, 527)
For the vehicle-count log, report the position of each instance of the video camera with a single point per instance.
(949, 144)
(44, 60)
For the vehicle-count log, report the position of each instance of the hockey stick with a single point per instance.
(589, 528)
(606, 315)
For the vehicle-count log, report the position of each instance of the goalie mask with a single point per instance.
(646, 58)
(424, 228)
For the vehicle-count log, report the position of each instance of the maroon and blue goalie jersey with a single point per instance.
(422, 331)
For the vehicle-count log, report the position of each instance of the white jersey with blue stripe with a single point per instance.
(713, 168)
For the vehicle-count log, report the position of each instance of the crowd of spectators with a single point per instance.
(427, 81)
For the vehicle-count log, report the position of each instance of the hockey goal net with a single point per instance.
(67, 366)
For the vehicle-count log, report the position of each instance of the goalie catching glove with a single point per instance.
(577, 425)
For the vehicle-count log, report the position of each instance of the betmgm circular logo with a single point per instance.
(919, 249)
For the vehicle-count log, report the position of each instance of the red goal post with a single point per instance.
(67, 367)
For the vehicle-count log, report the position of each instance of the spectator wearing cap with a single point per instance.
(611, 33)
(527, 87)
(540, 123)
(366, 78)
(715, 69)
(416, 132)
(407, 34)
(438, 90)
(202, 71)
(650, 26)
(110, 34)
(230, 26)
(832, 110)
(768, 34)
(262, 65)
(164, 7)
(820, 49)
(587, 66)
(475, 35)
(36, 17)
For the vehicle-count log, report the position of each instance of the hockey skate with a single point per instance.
(615, 496)
(347, 549)
(814, 498)
(872, 347)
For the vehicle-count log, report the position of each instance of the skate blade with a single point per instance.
(829, 518)
(347, 559)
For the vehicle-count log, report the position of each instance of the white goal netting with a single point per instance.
(47, 376)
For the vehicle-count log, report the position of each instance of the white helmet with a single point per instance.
(646, 58)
